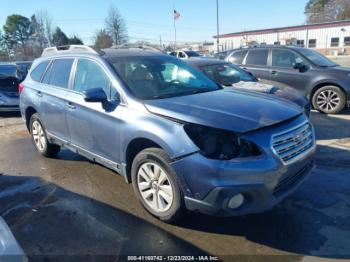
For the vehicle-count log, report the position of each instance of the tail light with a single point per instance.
(20, 87)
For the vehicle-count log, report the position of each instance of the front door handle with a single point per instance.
(71, 106)
(39, 94)
(274, 72)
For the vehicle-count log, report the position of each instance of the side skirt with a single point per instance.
(117, 167)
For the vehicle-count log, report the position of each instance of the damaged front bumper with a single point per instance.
(259, 182)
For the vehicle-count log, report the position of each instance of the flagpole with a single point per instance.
(174, 28)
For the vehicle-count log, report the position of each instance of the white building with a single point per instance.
(331, 38)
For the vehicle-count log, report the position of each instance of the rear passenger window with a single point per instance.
(257, 57)
(59, 73)
(39, 71)
(90, 75)
(237, 57)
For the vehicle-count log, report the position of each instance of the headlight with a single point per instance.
(220, 144)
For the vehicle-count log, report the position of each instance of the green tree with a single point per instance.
(59, 38)
(75, 41)
(17, 31)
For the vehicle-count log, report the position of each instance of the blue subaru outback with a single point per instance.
(182, 141)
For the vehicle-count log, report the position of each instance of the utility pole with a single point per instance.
(217, 26)
(160, 41)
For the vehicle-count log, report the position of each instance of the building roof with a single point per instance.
(288, 28)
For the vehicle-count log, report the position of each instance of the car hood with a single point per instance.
(236, 110)
(292, 95)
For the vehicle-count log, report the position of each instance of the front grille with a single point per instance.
(287, 183)
(292, 143)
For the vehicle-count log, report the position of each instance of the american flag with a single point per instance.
(176, 15)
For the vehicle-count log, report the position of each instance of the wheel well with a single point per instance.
(322, 85)
(135, 147)
(28, 114)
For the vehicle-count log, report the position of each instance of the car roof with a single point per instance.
(129, 52)
(268, 46)
(199, 62)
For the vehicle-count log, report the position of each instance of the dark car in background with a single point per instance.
(230, 75)
(10, 77)
(326, 84)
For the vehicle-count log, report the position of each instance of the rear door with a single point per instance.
(256, 62)
(94, 127)
(283, 71)
(53, 93)
(238, 57)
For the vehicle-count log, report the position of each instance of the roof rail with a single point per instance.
(68, 49)
(137, 46)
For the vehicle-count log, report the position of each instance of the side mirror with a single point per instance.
(95, 95)
(299, 66)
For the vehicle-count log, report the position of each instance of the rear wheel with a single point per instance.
(329, 100)
(155, 184)
(39, 138)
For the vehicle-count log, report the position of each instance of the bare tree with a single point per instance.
(44, 21)
(103, 40)
(116, 26)
(327, 10)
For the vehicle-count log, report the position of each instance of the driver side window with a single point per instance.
(90, 75)
(285, 58)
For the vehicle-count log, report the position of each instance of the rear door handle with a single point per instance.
(274, 72)
(71, 106)
(39, 94)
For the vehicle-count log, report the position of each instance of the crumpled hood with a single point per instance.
(288, 93)
(236, 110)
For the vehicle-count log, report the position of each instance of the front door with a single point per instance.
(283, 69)
(94, 127)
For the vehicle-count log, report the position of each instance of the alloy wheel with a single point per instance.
(38, 136)
(328, 100)
(155, 187)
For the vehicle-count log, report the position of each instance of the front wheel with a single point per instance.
(39, 138)
(156, 186)
(329, 100)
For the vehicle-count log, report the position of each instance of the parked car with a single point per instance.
(10, 76)
(185, 54)
(325, 83)
(180, 139)
(24, 65)
(232, 76)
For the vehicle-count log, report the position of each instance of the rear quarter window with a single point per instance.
(38, 72)
(238, 57)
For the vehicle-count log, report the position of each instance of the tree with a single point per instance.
(18, 31)
(116, 27)
(75, 41)
(59, 38)
(103, 40)
(327, 10)
(44, 21)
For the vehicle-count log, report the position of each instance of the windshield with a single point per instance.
(192, 54)
(161, 77)
(227, 74)
(317, 58)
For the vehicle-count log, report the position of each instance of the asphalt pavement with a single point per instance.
(70, 209)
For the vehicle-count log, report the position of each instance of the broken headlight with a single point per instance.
(220, 144)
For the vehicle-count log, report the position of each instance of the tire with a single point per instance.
(148, 186)
(39, 138)
(329, 100)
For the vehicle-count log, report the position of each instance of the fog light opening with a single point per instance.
(236, 201)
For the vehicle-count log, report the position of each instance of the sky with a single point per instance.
(151, 20)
